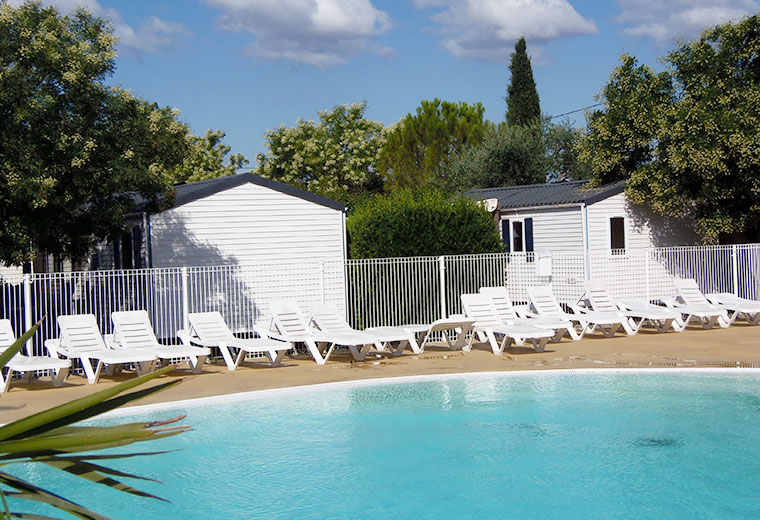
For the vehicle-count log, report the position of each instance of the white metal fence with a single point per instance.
(372, 292)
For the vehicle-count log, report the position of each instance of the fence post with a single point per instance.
(185, 299)
(735, 268)
(27, 306)
(647, 252)
(442, 276)
(322, 281)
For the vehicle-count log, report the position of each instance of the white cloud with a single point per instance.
(316, 32)
(665, 22)
(150, 36)
(487, 29)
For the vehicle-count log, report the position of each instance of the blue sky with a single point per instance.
(245, 66)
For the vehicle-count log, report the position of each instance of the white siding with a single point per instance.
(557, 229)
(6, 270)
(642, 227)
(244, 225)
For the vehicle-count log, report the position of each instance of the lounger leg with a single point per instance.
(360, 354)
(399, 348)
(196, 363)
(540, 345)
(225, 350)
(416, 348)
(708, 323)
(145, 367)
(461, 340)
(611, 330)
(753, 319)
(5, 382)
(558, 334)
(276, 356)
(726, 321)
(27, 377)
(316, 352)
(92, 375)
(574, 334)
(60, 376)
(496, 347)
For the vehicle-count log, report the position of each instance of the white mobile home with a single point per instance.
(234, 220)
(569, 215)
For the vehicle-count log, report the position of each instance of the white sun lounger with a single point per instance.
(132, 329)
(454, 329)
(661, 318)
(694, 304)
(600, 300)
(546, 304)
(741, 307)
(509, 314)
(208, 329)
(28, 365)
(289, 325)
(481, 308)
(81, 339)
(328, 318)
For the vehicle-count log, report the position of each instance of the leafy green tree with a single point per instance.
(622, 137)
(523, 107)
(420, 222)
(206, 158)
(335, 157)
(72, 148)
(562, 143)
(688, 139)
(508, 156)
(421, 144)
(51, 437)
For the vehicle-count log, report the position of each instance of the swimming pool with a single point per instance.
(594, 445)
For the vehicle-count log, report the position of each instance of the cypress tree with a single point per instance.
(522, 97)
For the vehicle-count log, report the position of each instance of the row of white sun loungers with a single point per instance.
(489, 316)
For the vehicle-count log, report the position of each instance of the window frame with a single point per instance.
(618, 252)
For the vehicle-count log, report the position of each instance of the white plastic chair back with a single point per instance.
(132, 329)
(502, 302)
(689, 292)
(287, 318)
(80, 333)
(480, 308)
(210, 327)
(599, 296)
(7, 336)
(543, 300)
(328, 318)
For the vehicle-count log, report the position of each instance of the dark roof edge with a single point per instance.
(612, 190)
(233, 181)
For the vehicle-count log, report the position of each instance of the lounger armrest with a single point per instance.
(110, 341)
(530, 314)
(184, 337)
(523, 311)
(53, 346)
(267, 333)
(577, 309)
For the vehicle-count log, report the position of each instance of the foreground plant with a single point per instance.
(50, 438)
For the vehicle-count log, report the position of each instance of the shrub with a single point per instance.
(420, 223)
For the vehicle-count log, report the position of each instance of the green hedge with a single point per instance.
(420, 223)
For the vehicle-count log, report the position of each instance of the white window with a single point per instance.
(517, 235)
(617, 235)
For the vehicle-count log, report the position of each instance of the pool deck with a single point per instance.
(737, 346)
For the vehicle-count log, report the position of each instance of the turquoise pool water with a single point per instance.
(672, 446)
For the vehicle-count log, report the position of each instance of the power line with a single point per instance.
(576, 110)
